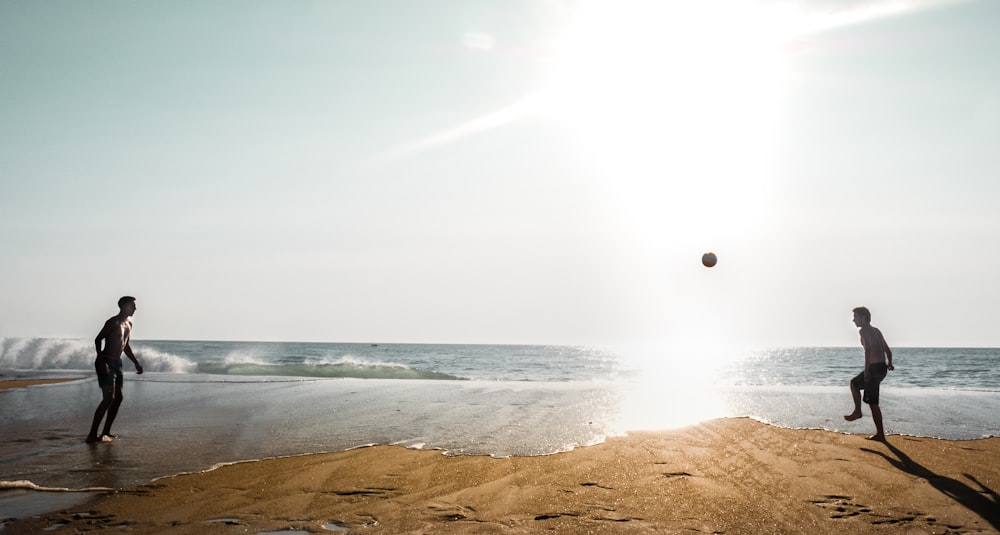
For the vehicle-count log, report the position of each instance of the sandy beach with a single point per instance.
(722, 476)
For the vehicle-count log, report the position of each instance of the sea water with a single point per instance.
(200, 404)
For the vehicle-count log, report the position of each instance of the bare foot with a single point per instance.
(108, 438)
(878, 438)
(853, 416)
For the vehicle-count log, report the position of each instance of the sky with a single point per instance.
(502, 171)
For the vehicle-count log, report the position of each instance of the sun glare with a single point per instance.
(676, 105)
(675, 102)
(676, 385)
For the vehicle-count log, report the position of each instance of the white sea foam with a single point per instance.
(158, 361)
(351, 360)
(45, 354)
(50, 354)
(250, 361)
(237, 358)
(24, 484)
(376, 368)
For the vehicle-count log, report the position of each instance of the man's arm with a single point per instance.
(128, 351)
(871, 341)
(101, 336)
(97, 344)
(888, 352)
(131, 356)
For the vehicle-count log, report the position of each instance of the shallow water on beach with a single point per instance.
(489, 400)
(172, 424)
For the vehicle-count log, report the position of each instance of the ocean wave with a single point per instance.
(346, 367)
(48, 354)
(44, 354)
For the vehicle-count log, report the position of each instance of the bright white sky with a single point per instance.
(502, 171)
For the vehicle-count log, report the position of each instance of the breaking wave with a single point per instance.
(49, 354)
(42, 354)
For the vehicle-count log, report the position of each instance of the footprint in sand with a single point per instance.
(844, 507)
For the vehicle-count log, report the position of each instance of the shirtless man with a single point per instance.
(116, 333)
(878, 362)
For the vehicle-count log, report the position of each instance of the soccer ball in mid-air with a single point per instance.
(709, 259)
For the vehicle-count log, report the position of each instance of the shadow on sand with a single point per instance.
(984, 502)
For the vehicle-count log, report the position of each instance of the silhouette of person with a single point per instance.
(116, 334)
(878, 362)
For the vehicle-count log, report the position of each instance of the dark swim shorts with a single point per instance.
(114, 377)
(876, 372)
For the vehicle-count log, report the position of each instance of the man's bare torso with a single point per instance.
(116, 336)
(874, 344)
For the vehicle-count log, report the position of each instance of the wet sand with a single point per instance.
(722, 476)
(7, 384)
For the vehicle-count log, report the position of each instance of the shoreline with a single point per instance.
(730, 475)
(8, 384)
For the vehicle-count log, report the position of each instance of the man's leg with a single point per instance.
(856, 395)
(877, 416)
(113, 411)
(106, 401)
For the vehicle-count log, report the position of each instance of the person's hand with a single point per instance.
(138, 369)
(891, 367)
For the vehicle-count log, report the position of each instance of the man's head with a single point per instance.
(127, 304)
(862, 316)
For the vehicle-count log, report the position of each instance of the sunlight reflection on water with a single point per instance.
(675, 386)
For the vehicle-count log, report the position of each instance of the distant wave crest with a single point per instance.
(342, 367)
